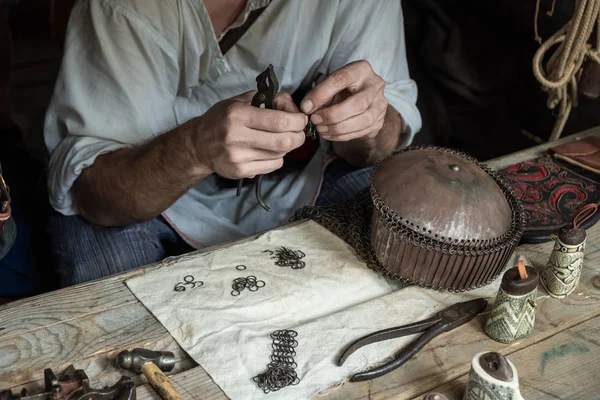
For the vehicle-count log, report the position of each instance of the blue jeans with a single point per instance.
(84, 253)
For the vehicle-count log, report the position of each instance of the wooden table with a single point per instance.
(88, 324)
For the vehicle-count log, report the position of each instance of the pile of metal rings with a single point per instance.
(281, 371)
(288, 258)
(250, 282)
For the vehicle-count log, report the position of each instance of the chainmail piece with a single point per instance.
(281, 371)
(351, 220)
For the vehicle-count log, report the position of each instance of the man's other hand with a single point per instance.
(349, 104)
(236, 140)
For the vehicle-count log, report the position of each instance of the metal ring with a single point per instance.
(258, 284)
(179, 287)
(240, 267)
(235, 291)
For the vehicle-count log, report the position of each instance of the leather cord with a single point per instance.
(235, 34)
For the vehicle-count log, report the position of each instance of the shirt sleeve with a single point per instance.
(375, 32)
(115, 88)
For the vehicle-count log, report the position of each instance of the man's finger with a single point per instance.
(245, 97)
(349, 76)
(255, 154)
(350, 107)
(351, 136)
(274, 120)
(284, 102)
(357, 123)
(280, 143)
(251, 169)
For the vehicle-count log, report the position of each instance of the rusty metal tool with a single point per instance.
(268, 86)
(151, 364)
(74, 384)
(444, 321)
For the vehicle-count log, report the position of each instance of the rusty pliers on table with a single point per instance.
(268, 86)
(444, 321)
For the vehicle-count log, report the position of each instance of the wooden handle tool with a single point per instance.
(160, 382)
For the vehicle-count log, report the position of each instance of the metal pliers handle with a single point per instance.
(268, 86)
(444, 321)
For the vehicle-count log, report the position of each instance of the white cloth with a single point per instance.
(133, 69)
(333, 301)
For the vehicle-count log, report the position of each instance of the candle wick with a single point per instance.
(522, 269)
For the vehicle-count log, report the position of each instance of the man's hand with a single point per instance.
(233, 139)
(237, 140)
(350, 109)
(349, 104)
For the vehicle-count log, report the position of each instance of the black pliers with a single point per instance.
(444, 321)
(268, 86)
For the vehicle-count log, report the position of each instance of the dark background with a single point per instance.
(472, 61)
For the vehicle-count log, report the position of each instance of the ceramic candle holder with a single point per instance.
(492, 377)
(513, 314)
(561, 275)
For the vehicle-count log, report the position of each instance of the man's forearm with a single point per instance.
(367, 151)
(137, 184)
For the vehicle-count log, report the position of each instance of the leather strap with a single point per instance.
(235, 34)
(583, 214)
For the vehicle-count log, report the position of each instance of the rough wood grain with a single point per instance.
(87, 324)
(564, 366)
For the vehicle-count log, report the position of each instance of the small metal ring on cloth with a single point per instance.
(233, 293)
(298, 265)
(258, 284)
(179, 287)
(251, 278)
(253, 288)
(240, 267)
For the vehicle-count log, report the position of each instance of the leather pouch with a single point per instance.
(584, 153)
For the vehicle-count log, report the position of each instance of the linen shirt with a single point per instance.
(134, 69)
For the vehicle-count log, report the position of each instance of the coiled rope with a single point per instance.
(562, 73)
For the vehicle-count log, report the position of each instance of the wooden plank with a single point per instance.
(87, 323)
(449, 356)
(91, 342)
(84, 325)
(564, 366)
(537, 151)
